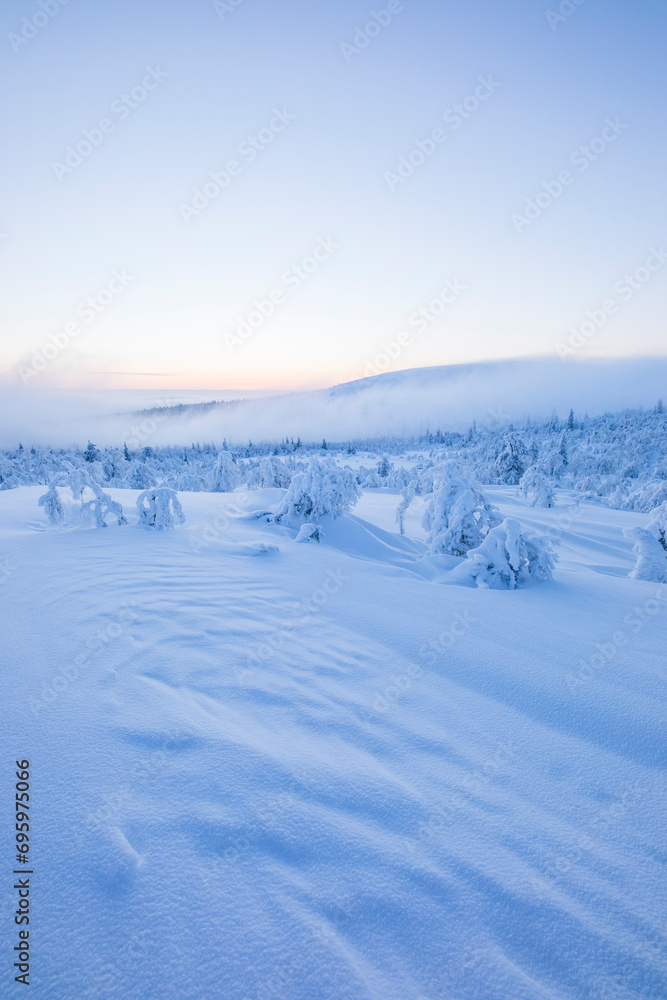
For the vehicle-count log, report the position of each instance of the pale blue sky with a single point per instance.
(390, 246)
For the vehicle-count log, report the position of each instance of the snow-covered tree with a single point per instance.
(92, 511)
(270, 472)
(458, 518)
(76, 479)
(536, 488)
(97, 510)
(52, 505)
(91, 454)
(648, 496)
(658, 524)
(225, 474)
(407, 496)
(373, 481)
(651, 562)
(509, 557)
(189, 482)
(383, 468)
(160, 508)
(322, 490)
(140, 477)
(511, 460)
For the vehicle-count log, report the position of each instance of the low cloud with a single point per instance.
(393, 404)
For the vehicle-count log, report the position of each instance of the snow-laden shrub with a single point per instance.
(270, 472)
(373, 481)
(458, 518)
(310, 533)
(160, 508)
(400, 477)
(658, 524)
(189, 482)
(262, 549)
(52, 505)
(93, 511)
(225, 475)
(140, 477)
(589, 484)
(651, 562)
(76, 479)
(536, 488)
(97, 510)
(509, 557)
(322, 490)
(12, 483)
(648, 496)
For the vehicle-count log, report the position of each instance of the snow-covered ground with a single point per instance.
(313, 773)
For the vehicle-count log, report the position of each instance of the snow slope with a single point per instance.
(314, 774)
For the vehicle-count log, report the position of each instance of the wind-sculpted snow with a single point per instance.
(318, 775)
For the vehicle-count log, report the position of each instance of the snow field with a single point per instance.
(312, 772)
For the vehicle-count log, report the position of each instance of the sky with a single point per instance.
(254, 195)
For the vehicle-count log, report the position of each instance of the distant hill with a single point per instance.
(419, 399)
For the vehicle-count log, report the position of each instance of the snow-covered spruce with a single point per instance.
(458, 518)
(310, 533)
(508, 558)
(536, 488)
(651, 562)
(323, 490)
(160, 508)
(52, 505)
(225, 475)
(512, 460)
(658, 524)
(650, 548)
